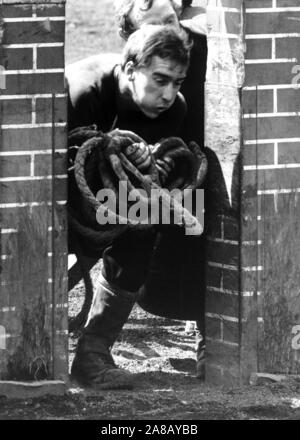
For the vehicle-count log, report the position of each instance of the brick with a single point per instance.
(258, 49)
(223, 253)
(251, 256)
(252, 231)
(231, 228)
(276, 22)
(50, 57)
(214, 276)
(258, 4)
(260, 296)
(15, 111)
(12, 166)
(213, 327)
(32, 139)
(253, 307)
(266, 205)
(230, 280)
(249, 189)
(260, 101)
(222, 303)
(26, 390)
(232, 4)
(288, 47)
(271, 128)
(250, 179)
(275, 179)
(43, 164)
(269, 73)
(43, 31)
(32, 191)
(44, 110)
(251, 227)
(16, 11)
(250, 205)
(221, 354)
(214, 227)
(16, 59)
(11, 265)
(287, 3)
(249, 283)
(9, 218)
(233, 23)
(286, 178)
(9, 243)
(35, 83)
(287, 203)
(262, 154)
(216, 197)
(231, 331)
(50, 10)
(12, 218)
(288, 152)
(235, 187)
(288, 100)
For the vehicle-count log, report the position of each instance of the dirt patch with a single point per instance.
(162, 357)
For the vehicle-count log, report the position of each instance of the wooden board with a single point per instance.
(279, 336)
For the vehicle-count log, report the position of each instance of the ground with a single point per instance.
(161, 355)
(157, 350)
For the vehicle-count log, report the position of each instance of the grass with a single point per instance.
(91, 28)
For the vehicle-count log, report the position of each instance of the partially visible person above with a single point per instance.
(193, 16)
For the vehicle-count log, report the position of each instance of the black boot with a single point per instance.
(93, 364)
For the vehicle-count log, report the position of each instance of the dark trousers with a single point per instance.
(126, 261)
(168, 264)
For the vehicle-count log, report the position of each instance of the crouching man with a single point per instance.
(139, 93)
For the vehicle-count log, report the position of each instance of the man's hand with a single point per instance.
(164, 166)
(139, 155)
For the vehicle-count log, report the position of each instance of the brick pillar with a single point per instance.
(253, 210)
(225, 72)
(33, 182)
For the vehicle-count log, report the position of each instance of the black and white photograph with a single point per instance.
(149, 213)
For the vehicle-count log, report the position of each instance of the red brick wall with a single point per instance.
(253, 300)
(271, 183)
(33, 300)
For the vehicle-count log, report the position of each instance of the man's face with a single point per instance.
(154, 88)
(161, 12)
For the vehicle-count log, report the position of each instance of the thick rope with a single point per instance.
(101, 160)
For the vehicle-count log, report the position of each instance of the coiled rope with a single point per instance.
(100, 161)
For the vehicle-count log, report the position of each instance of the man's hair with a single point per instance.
(123, 9)
(156, 40)
(186, 3)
